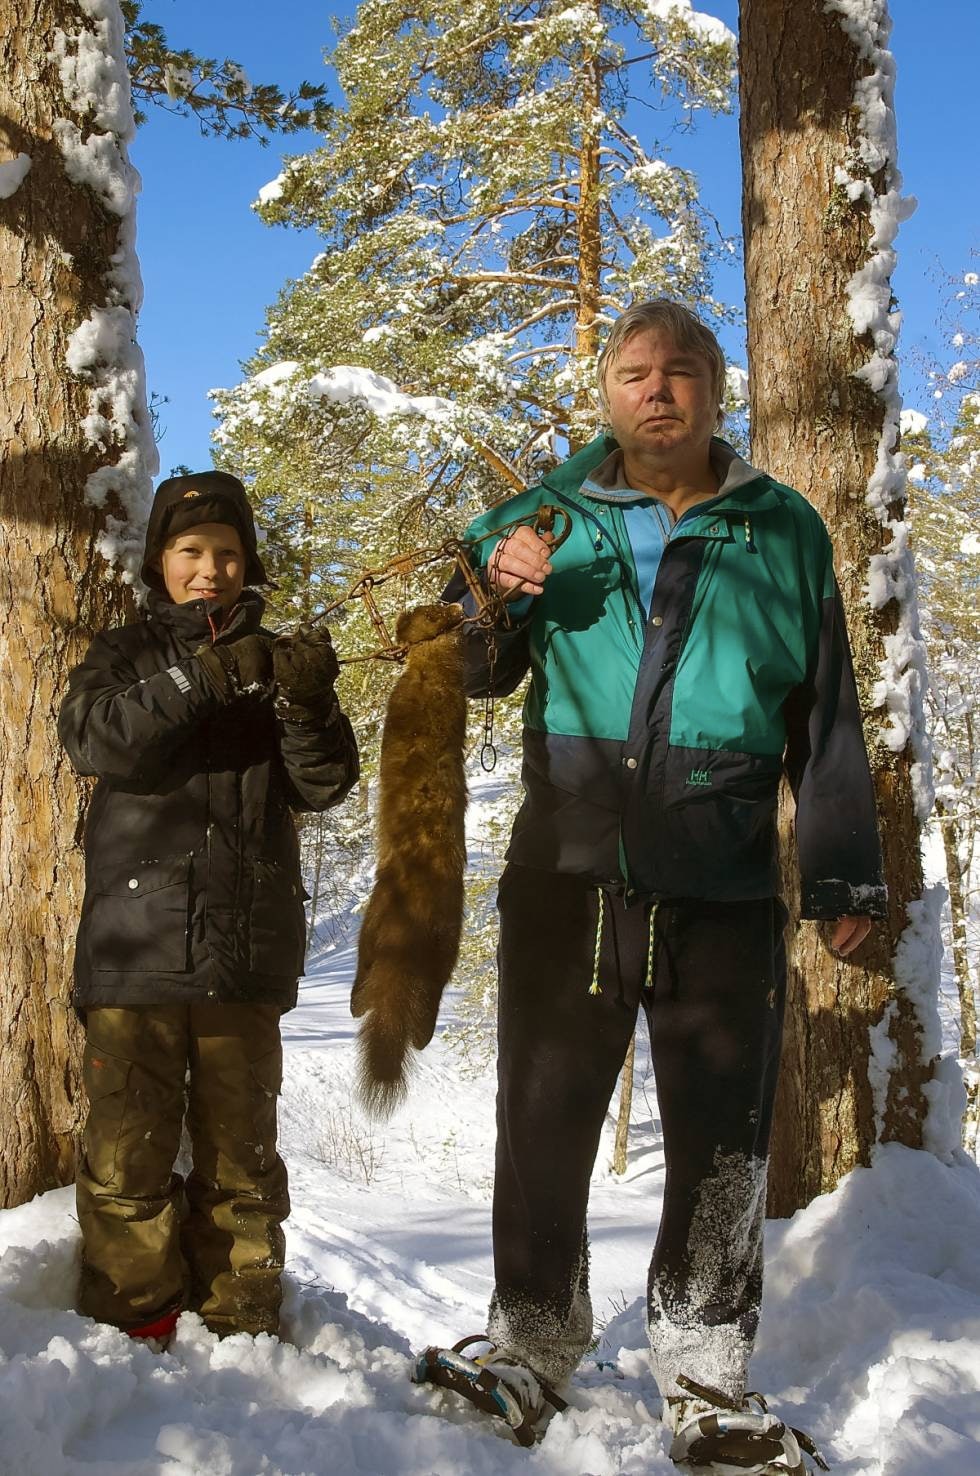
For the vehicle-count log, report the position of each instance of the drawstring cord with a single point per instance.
(651, 940)
(595, 987)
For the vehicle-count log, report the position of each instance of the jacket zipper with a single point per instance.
(605, 532)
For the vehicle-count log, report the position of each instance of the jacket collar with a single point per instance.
(189, 622)
(596, 473)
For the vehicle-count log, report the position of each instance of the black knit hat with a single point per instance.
(201, 497)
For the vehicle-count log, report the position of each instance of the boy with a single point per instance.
(203, 732)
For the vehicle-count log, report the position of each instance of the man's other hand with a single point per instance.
(849, 933)
(520, 562)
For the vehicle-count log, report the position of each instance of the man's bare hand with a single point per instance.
(520, 562)
(849, 933)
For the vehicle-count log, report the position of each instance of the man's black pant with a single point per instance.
(575, 964)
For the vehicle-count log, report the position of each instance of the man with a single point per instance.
(686, 643)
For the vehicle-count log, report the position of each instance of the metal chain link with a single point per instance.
(488, 753)
(409, 562)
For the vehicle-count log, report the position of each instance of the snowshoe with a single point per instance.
(714, 1434)
(498, 1386)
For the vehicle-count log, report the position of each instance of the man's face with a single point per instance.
(660, 398)
(205, 563)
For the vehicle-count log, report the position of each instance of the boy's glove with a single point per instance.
(238, 668)
(306, 668)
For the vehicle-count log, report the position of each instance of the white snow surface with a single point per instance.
(12, 175)
(870, 1335)
(737, 382)
(912, 422)
(273, 190)
(891, 574)
(339, 384)
(707, 27)
(103, 350)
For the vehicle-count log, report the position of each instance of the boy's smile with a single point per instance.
(207, 562)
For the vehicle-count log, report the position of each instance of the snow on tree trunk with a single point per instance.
(821, 206)
(73, 473)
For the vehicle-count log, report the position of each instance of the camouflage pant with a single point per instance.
(150, 1241)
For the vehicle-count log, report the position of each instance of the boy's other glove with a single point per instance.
(306, 668)
(238, 668)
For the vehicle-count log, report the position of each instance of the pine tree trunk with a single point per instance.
(55, 243)
(621, 1143)
(816, 427)
(589, 231)
(309, 516)
(961, 969)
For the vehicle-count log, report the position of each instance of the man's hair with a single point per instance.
(688, 332)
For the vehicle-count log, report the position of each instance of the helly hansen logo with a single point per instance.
(699, 777)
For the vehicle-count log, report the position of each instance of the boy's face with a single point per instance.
(205, 563)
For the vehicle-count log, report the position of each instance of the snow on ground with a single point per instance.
(870, 1336)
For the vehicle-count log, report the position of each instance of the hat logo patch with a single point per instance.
(192, 493)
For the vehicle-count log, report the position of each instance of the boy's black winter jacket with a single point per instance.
(193, 883)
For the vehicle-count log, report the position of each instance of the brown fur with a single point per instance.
(410, 934)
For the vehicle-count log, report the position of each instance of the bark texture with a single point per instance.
(620, 1157)
(55, 244)
(817, 427)
(589, 229)
(957, 880)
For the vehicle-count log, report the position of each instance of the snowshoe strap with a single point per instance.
(751, 1425)
(558, 1404)
(716, 1397)
(738, 1440)
(450, 1370)
(805, 1442)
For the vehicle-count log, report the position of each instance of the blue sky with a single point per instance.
(210, 267)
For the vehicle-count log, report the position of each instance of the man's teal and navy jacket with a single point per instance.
(675, 671)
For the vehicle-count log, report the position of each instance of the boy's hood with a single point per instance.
(200, 497)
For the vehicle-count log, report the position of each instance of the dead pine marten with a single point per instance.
(410, 935)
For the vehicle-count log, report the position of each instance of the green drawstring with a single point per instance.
(749, 545)
(595, 987)
(648, 981)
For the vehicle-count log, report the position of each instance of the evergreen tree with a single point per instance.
(73, 483)
(819, 171)
(944, 452)
(486, 207)
(75, 479)
(219, 94)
